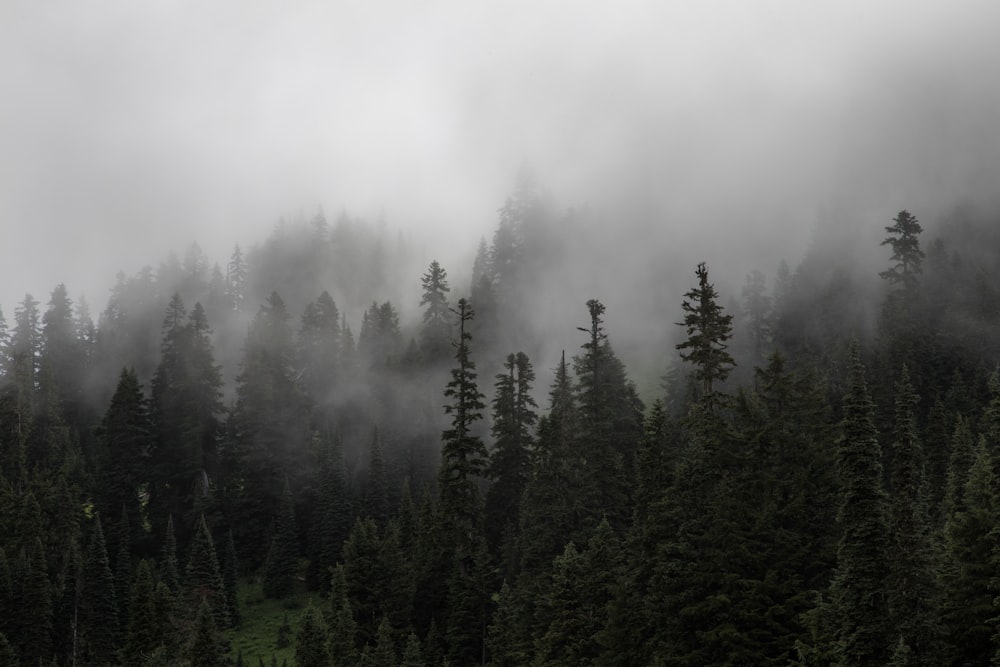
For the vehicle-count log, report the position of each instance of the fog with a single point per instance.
(731, 132)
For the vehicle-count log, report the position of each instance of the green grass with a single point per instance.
(257, 634)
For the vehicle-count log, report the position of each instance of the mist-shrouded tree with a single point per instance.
(332, 521)
(380, 341)
(318, 349)
(610, 427)
(377, 491)
(708, 331)
(436, 332)
(269, 431)
(906, 253)
(237, 279)
(858, 590)
(186, 408)
(126, 440)
(514, 419)
(756, 306)
(463, 455)
(25, 358)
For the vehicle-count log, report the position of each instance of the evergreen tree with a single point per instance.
(333, 512)
(97, 625)
(968, 574)
(858, 588)
(311, 648)
(377, 493)
(412, 655)
(911, 586)
(384, 654)
(144, 630)
(463, 454)
(905, 243)
(206, 645)
(436, 334)
(513, 422)
(282, 561)
(186, 409)
(270, 431)
(202, 577)
(708, 330)
(611, 427)
(169, 568)
(32, 599)
(230, 580)
(236, 279)
(125, 436)
(318, 349)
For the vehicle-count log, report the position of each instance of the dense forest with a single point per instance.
(815, 480)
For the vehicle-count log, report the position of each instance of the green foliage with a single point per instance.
(97, 626)
(858, 590)
(283, 557)
(202, 577)
(708, 330)
(311, 640)
(206, 649)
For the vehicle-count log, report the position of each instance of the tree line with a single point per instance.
(811, 485)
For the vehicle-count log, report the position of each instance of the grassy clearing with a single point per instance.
(257, 634)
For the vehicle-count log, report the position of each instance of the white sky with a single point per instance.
(128, 129)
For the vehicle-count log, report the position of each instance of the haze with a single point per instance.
(723, 131)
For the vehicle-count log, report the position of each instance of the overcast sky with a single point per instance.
(131, 128)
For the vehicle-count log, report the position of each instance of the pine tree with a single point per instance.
(282, 561)
(506, 636)
(332, 523)
(32, 598)
(230, 580)
(463, 454)
(8, 654)
(905, 243)
(125, 436)
(202, 577)
(913, 598)
(377, 494)
(206, 645)
(236, 279)
(98, 612)
(169, 568)
(513, 422)
(436, 333)
(858, 588)
(968, 576)
(708, 330)
(311, 640)
(412, 655)
(384, 654)
(144, 623)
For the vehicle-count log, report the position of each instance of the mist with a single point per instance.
(739, 135)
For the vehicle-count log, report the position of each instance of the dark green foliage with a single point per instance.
(708, 330)
(513, 422)
(463, 454)
(384, 654)
(127, 443)
(203, 578)
(333, 512)
(971, 545)
(145, 625)
(32, 599)
(284, 638)
(169, 568)
(230, 576)
(378, 582)
(8, 654)
(912, 593)
(860, 605)
(186, 407)
(206, 648)
(283, 557)
(97, 626)
(412, 656)
(508, 636)
(377, 493)
(311, 639)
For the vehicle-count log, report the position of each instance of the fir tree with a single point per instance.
(230, 580)
(98, 612)
(436, 334)
(144, 624)
(858, 588)
(202, 577)
(911, 586)
(377, 496)
(169, 568)
(282, 561)
(412, 655)
(384, 654)
(708, 331)
(206, 645)
(311, 639)
(905, 243)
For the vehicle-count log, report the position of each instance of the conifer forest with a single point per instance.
(499, 333)
(814, 479)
